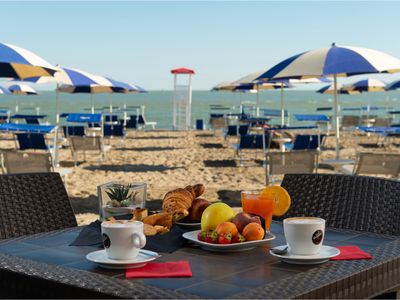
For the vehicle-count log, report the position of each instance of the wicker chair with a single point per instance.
(33, 203)
(346, 201)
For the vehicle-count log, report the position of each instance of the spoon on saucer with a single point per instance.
(280, 251)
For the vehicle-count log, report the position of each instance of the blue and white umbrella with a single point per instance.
(16, 62)
(366, 85)
(4, 90)
(393, 85)
(336, 61)
(21, 89)
(329, 89)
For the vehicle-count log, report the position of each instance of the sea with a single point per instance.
(158, 105)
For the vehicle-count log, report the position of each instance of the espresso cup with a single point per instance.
(123, 239)
(304, 235)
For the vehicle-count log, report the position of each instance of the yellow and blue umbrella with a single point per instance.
(16, 62)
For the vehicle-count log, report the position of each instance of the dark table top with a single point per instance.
(249, 274)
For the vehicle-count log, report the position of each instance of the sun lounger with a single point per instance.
(280, 163)
(350, 123)
(374, 164)
(14, 162)
(254, 143)
(73, 131)
(85, 144)
(307, 142)
(143, 123)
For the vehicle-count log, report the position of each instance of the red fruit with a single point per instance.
(224, 238)
(201, 236)
(226, 227)
(212, 237)
(238, 238)
(242, 219)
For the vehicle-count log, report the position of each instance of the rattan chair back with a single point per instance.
(23, 162)
(217, 123)
(382, 122)
(346, 201)
(378, 164)
(33, 203)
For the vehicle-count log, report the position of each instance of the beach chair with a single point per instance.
(132, 123)
(111, 118)
(143, 123)
(85, 144)
(200, 124)
(73, 131)
(351, 202)
(14, 162)
(33, 203)
(307, 142)
(382, 122)
(374, 164)
(350, 123)
(31, 141)
(254, 143)
(280, 163)
(217, 123)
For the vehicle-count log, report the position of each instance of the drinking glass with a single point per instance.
(255, 203)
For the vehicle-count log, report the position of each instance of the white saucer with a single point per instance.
(325, 254)
(100, 257)
(192, 226)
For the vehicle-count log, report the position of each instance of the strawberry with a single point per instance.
(201, 236)
(212, 237)
(238, 238)
(225, 238)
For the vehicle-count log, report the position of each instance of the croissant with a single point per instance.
(198, 189)
(177, 203)
(195, 212)
(162, 219)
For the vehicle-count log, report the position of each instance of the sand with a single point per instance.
(166, 160)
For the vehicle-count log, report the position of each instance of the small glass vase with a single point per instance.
(118, 198)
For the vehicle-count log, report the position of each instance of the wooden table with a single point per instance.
(43, 265)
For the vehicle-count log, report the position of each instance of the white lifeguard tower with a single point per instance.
(182, 99)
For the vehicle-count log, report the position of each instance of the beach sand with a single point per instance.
(168, 159)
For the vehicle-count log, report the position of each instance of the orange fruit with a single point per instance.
(226, 227)
(253, 232)
(281, 199)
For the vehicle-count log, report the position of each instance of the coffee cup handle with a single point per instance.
(139, 240)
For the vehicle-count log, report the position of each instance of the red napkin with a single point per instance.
(351, 252)
(161, 269)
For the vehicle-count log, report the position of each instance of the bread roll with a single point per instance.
(163, 219)
(195, 212)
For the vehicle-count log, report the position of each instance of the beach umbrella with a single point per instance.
(366, 85)
(335, 61)
(4, 91)
(393, 85)
(16, 62)
(329, 89)
(21, 89)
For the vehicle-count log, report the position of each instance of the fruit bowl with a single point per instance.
(244, 246)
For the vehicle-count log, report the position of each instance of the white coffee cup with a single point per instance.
(304, 235)
(123, 239)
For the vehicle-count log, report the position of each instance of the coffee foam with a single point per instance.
(305, 220)
(120, 223)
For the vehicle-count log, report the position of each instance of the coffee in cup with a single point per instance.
(122, 239)
(304, 235)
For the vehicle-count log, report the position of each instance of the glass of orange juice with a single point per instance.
(253, 202)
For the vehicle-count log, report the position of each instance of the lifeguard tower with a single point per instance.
(182, 99)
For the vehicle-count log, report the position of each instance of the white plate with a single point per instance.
(192, 236)
(189, 225)
(325, 254)
(100, 257)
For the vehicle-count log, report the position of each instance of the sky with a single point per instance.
(140, 42)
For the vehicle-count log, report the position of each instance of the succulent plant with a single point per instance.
(120, 194)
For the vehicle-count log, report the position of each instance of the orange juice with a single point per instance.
(255, 203)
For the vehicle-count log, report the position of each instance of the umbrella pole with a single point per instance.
(258, 101)
(55, 163)
(335, 101)
(92, 101)
(282, 110)
(111, 104)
